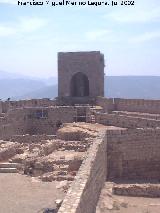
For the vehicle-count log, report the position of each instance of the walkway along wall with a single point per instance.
(131, 105)
(128, 154)
(125, 121)
(84, 192)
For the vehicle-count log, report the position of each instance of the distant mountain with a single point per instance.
(144, 87)
(17, 87)
(45, 92)
(51, 81)
(9, 75)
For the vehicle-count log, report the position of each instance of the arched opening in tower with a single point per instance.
(79, 85)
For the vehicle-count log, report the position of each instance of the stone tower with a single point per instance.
(80, 74)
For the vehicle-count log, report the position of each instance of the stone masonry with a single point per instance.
(90, 64)
(84, 144)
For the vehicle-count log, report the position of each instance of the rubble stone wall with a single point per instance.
(6, 131)
(137, 190)
(125, 121)
(106, 103)
(133, 154)
(138, 105)
(49, 125)
(138, 114)
(31, 138)
(5, 106)
(130, 105)
(14, 123)
(1, 107)
(85, 190)
(36, 120)
(89, 63)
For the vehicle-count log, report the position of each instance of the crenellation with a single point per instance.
(82, 139)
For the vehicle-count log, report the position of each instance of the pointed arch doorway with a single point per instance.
(79, 86)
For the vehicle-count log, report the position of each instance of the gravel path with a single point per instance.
(21, 194)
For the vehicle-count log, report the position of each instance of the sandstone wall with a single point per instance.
(5, 106)
(6, 131)
(137, 190)
(48, 125)
(84, 192)
(131, 105)
(1, 106)
(138, 114)
(125, 121)
(133, 154)
(106, 103)
(138, 105)
(13, 123)
(31, 138)
(89, 63)
(36, 120)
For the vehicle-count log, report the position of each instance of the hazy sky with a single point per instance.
(129, 36)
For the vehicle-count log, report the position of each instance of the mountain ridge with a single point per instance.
(21, 87)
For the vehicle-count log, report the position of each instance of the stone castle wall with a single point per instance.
(128, 154)
(5, 106)
(106, 103)
(138, 105)
(13, 122)
(89, 63)
(109, 104)
(36, 120)
(130, 105)
(48, 125)
(31, 138)
(126, 121)
(85, 190)
(133, 154)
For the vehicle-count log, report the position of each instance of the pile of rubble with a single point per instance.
(8, 149)
(137, 190)
(49, 160)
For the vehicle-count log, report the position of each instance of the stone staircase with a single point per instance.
(9, 167)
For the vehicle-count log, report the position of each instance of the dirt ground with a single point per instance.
(109, 203)
(22, 194)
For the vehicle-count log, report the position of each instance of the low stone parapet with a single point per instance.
(85, 190)
(137, 190)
